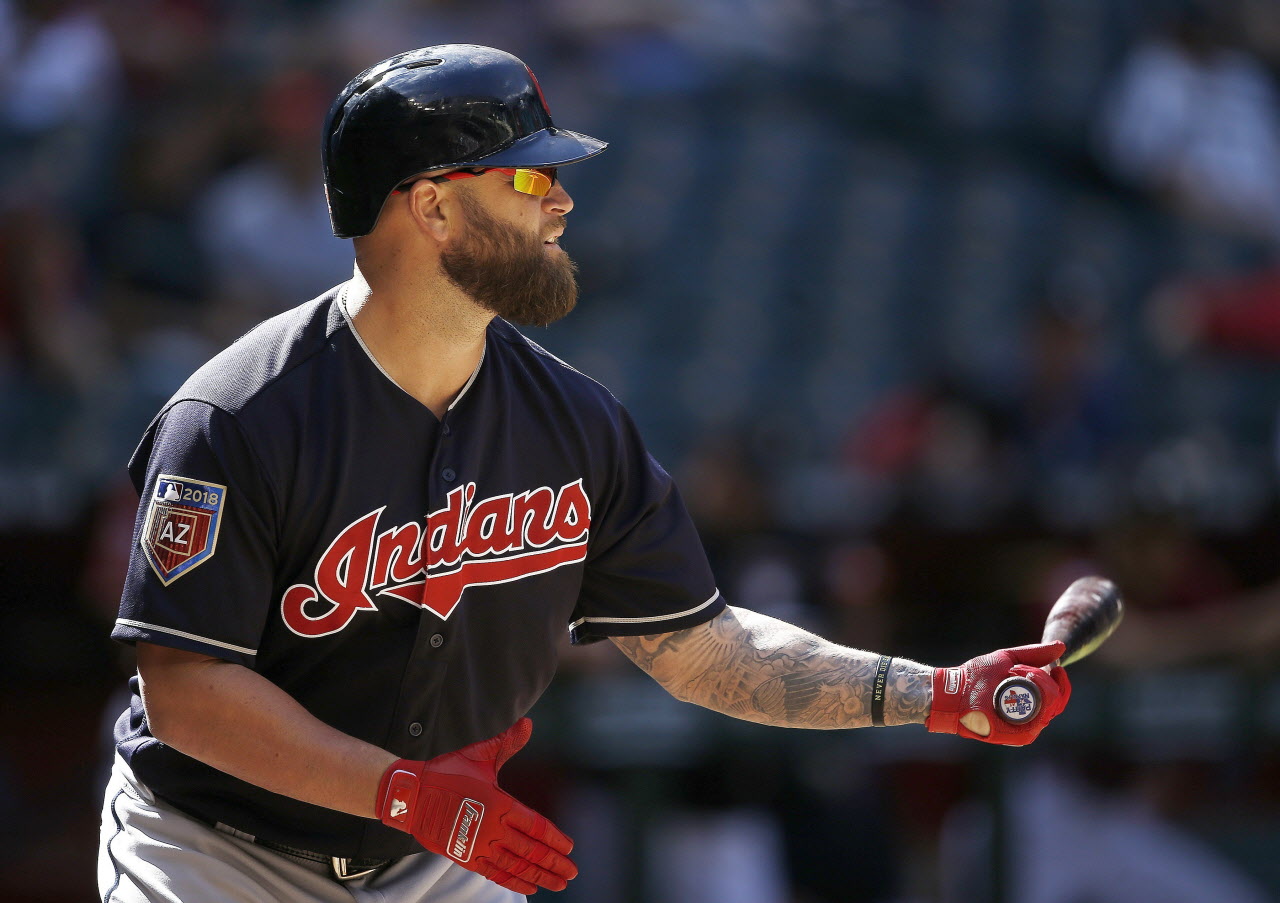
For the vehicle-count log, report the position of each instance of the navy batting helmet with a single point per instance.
(452, 105)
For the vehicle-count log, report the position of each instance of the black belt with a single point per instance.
(343, 869)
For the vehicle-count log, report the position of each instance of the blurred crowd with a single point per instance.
(930, 306)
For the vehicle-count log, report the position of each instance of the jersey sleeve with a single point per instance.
(646, 571)
(200, 571)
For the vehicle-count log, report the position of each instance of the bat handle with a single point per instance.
(1017, 700)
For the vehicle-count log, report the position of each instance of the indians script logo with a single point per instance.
(469, 542)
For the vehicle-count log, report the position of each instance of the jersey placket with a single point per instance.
(424, 672)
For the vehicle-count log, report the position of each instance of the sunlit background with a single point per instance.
(930, 306)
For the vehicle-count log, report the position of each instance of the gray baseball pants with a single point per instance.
(151, 852)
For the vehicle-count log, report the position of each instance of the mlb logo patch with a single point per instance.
(181, 528)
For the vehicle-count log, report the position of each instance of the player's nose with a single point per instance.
(557, 201)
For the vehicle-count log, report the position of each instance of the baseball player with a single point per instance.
(365, 526)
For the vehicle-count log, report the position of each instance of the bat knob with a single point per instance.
(1016, 700)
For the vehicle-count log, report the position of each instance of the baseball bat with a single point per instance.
(1082, 618)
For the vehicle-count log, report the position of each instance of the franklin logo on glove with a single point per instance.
(468, 817)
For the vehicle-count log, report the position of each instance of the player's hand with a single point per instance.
(970, 688)
(453, 806)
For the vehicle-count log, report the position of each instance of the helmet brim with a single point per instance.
(548, 147)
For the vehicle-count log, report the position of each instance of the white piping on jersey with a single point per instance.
(650, 620)
(351, 324)
(186, 636)
(470, 379)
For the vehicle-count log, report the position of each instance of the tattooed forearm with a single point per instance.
(762, 669)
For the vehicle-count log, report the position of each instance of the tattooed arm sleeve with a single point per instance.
(761, 669)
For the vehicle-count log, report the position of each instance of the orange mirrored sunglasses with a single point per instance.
(536, 182)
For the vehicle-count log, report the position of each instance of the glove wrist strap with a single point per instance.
(398, 794)
(944, 712)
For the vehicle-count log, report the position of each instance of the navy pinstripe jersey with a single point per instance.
(407, 579)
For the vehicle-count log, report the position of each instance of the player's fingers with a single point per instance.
(1059, 676)
(525, 870)
(1053, 701)
(527, 848)
(505, 879)
(1039, 676)
(538, 827)
(1039, 654)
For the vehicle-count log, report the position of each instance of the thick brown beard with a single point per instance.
(509, 272)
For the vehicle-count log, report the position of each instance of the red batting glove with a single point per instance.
(970, 687)
(452, 805)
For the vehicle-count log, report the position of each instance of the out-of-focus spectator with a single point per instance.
(1184, 604)
(1193, 118)
(51, 335)
(1258, 24)
(1122, 849)
(1212, 324)
(1069, 406)
(726, 491)
(53, 346)
(637, 48)
(154, 269)
(857, 582)
(1237, 314)
(940, 451)
(176, 53)
(358, 33)
(1049, 435)
(60, 65)
(748, 31)
(264, 225)
(60, 82)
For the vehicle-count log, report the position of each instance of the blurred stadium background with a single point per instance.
(930, 305)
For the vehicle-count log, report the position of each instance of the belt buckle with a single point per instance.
(342, 869)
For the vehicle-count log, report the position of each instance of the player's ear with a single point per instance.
(429, 210)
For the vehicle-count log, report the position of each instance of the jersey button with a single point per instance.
(446, 429)
(415, 729)
(436, 641)
(448, 475)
